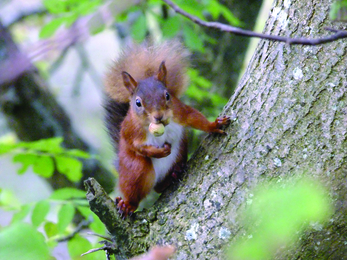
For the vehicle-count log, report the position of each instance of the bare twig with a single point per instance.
(82, 225)
(94, 250)
(338, 34)
(108, 246)
(101, 236)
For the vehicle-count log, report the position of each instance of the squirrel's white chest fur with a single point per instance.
(173, 135)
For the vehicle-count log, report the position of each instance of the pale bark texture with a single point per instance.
(289, 115)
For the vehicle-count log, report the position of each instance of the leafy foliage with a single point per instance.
(54, 216)
(154, 19)
(79, 245)
(40, 212)
(338, 10)
(22, 241)
(43, 155)
(277, 216)
(68, 12)
(200, 90)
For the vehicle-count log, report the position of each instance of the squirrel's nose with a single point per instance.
(158, 118)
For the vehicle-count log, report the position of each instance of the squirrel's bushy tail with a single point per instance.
(143, 61)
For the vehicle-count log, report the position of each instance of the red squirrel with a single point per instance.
(143, 88)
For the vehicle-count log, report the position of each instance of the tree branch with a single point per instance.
(338, 34)
(128, 236)
(103, 206)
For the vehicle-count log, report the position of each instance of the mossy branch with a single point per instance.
(128, 235)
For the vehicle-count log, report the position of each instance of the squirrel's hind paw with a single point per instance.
(123, 208)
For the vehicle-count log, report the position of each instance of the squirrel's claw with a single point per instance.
(122, 208)
(218, 123)
(224, 120)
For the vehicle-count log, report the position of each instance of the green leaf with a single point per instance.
(22, 241)
(70, 167)
(171, 26)
(192, 7)
(139, 28)
(40, 212)
(195, 93)
(199, 80)
(44, 166)
(213, 7)
(51, 229)
(77, 153)
(86, 7)
(26, 159)
(192, 39)
(70, 19)
(7, 143)
(67, 193)
(97, 226)
(21, 214)
(79, 245)
(65, 216)
(8, 200)
(233, 20)
(55, 6)
(338, 10)
(6, 148)
(290, 207)
(154, 2)
(217, 100)
(85, 211)
(52, 243)
(51, 27)
(52, 145)
(81, 202)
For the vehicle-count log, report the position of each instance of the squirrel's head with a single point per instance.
(150, 99)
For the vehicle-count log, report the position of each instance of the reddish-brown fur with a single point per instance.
(188, 116)
(136, 172)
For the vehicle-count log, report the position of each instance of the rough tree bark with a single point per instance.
(289, 114)
(222, 63)
(33, 113)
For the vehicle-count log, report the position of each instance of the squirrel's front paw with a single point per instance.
(163, 152)
(219, 122)
(167, 149)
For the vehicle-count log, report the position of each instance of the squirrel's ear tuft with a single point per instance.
(161, 76)
(129, 82)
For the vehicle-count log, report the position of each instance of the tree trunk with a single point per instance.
(33, 113)
(289, 114)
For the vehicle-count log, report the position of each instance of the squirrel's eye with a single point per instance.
(167, 96)
(138, 103)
